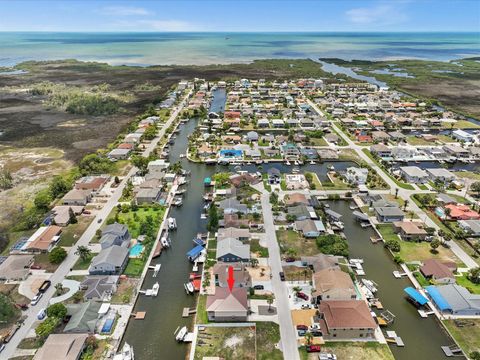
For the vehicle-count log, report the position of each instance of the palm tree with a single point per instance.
(396, 193)
(308, 338)
(83, 252)
(405, 204)
(254, 262)
(297, 289)
(270, 299)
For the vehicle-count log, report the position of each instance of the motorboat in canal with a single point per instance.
(208, 196)
(370, 285)
(126, 353)
(189, 288)
(165, 241)
(177, 201)
(180, 192)
(181, 334)
(172, 223)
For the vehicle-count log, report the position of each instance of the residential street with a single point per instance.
(287, 331)
(68, 263)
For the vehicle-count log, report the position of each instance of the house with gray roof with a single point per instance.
(147, 196)
(471, 227)
(83, 317)
(232, 206)
(115, 234)
(310, 228)
(110, 261)
(413, 174)
(252, 136)
(301, 212)
(389, 214)
(454, 299)
(441, 174)
(232, 250)
(99, 287)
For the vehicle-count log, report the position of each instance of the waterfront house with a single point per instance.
(454, 299)
(110, 261)
(232, 206)
(332, 284)
(471, 227)
(232, 250)
(389, 214)
(402, 153)
(296, 182)
(77, 197)
(441, 174)
(327, 154)
(240, 274)
(440, 272)
(82, 318)
(292, 123)
(410, 230)
(356, 175)
(461, 212)
(310, 228)
(147, 196)
(296, 199)
(62, 346)
(99, 287)
(278, 123)
(115, 234)
(322, 261)
(290, 151)
(300, 212)
(226, 305)
(252, 136)
(232, 220)
(231, 232)
(263, 123)
(413, 174)
(274, 176)
(332, 138)
(158, 165)
(15, 267)
(456, 151)
(462, 135)
(380, 136)
(271, 153)
(396, 136)
(346, 320)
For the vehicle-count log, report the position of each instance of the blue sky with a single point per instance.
(240, 15)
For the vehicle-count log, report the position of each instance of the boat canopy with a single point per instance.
(207, 180)
(195, 252)
(360, 215)
(333, 214)
(198, 241)
(416, 295)
(437, 298)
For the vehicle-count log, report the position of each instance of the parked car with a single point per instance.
(302, 295)
(36, 299)
(2, 347)
(41, 314)
(316, 333)
(282, 276)
(259, 287)
(301, 332)
(99, 221)
(86, 212)
(289, 259)
(35, 267)
(327, 356)
(302, 327)
(313, 348)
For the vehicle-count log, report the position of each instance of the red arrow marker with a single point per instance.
(231, 279)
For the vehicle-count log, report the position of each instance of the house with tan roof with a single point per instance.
(232, 232)
(333, 284)
(296, 199)
(44, 239)
(77, 197)
(410, 230)
(438, 271)
(346, 320)
(240, 274)
(226, 305)
(62, 346)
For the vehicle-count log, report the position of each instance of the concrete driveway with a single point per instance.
(72, 286)
(29, 287)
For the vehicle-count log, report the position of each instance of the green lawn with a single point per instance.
(468, 175)
(289, 239)
(421, 279)
(71, 233)
(413, 140)
(318, 142)
(419, 251)
(255, 247)
(463, 281)
(461, 124)
(359, 350)
(387, 232)
(201, 317)
(134, 267)
(422, 186)
(268, 334)
(83, 265)
(467, 335)
(133, 219)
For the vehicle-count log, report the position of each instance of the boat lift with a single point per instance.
(155, 269)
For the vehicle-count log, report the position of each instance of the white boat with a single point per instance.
(189, 288)
(181, 334)
(370, 285)
(288, 162)
(295, 170)
(296, 162)
(182, 156)
(155, 289)
(172, 223)
(353, 261)
(312, 162)
(331, 168)
(177, 202)
(165, 242)
(180, 192)
(125, 354)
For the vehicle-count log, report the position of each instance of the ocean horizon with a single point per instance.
(202, 48)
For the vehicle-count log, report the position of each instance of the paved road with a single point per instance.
(404, 193)
(287, 331)
(67, 264)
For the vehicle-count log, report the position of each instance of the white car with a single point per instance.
(36, 299)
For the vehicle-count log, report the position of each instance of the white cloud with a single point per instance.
(124, 11)
(380, 14)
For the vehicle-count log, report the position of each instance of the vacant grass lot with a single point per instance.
(72, 232)
(133, 219)
(83, 264)
(463, 281)
(289, 239)
(235, 342)
(268, 334)
(354, 350)
(467, 336)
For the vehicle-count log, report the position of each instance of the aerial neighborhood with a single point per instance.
(298, 218)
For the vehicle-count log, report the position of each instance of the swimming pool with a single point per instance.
(440, 212)
(107, 326)
(136, 250)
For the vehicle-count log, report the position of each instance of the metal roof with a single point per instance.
(437, 298)
(415, 295)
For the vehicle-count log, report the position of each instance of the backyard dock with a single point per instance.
(188, 311)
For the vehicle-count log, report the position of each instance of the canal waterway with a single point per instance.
(423, 338)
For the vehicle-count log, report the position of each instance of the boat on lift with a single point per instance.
(172, 223)
(126, 353)
(181, 334)
(189, 288)
(177, 201)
